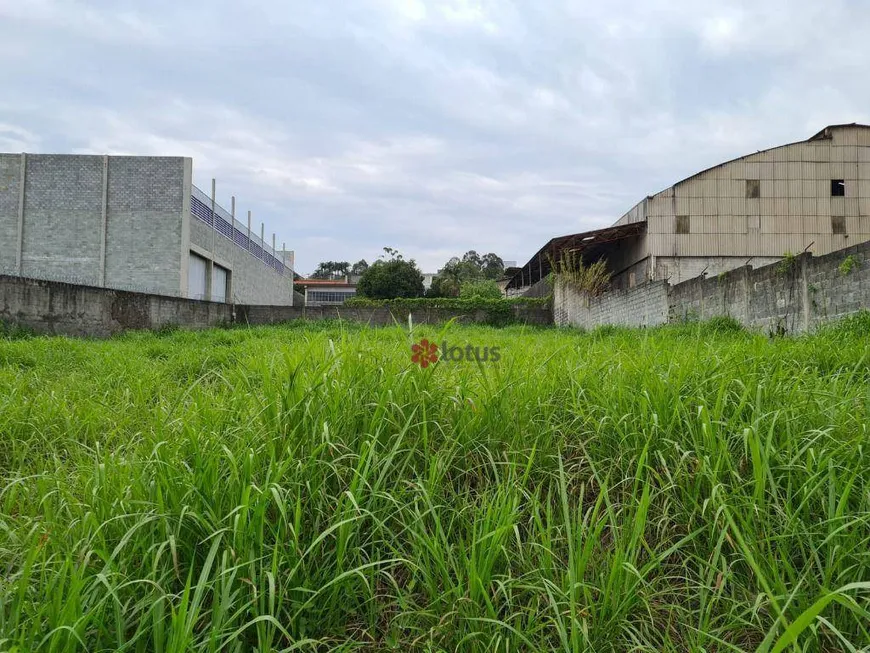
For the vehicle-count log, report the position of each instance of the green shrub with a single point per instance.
(787, 264)
(485, 289)
(12, 331)
(500, 312)
(392, 278)
(849, 263)
(458, 303)
(723, 324)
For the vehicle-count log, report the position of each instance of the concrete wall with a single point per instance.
(49, 307)
(56, 308)
(252, 281)
(777, 298)
(678, 269)
(113, 221)
(645, 305)
(538, 289)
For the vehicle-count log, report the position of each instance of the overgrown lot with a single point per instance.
(308, 487)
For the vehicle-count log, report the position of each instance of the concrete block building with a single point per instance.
(813, 195)
(132, 223)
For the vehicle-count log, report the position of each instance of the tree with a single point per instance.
(391, 278)
(472, 257)
(450, 278)
(485, 289)
(331, 270)
(359, 267)
(470, 268)
(440, 288)
(492, 266)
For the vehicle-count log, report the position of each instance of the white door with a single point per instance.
(196, 277)
(219, 284)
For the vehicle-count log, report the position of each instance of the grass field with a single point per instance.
(688, 488)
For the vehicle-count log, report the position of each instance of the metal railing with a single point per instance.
(230, 228)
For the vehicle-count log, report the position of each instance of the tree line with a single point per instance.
(392, 276)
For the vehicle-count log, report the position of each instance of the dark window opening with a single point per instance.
(753, 189)
(838, 188)
(838, 224)
(682, 224)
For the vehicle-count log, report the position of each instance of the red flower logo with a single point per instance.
(424, 353)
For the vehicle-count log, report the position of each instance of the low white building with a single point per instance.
(328, 292)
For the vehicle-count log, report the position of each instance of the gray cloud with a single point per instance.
(434, 127)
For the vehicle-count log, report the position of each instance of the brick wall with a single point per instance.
(65, 200)
(143, 239)
(782, 297)
(645, 305)
(10, 172)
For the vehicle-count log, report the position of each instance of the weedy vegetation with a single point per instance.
(687, 488)
(593, 279)
(787, 265)
(849, 264)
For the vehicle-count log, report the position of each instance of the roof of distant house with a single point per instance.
(325, 282)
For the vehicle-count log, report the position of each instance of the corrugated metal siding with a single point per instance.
(794, 208)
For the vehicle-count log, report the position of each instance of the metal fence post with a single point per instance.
(210, 265)
(230, 283)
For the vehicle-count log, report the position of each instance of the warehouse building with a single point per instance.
(812, 195)
(132, 223)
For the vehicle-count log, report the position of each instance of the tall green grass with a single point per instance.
(690, 488)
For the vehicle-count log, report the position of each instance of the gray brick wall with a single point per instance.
(253, 282)
(63, 219)
(143, 241)
(63, 199)
(645, 305)
(780, 297)
(9, 194)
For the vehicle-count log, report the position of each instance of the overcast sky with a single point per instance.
(432, 127)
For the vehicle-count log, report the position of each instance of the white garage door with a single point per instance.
(196, 277)
(219, 284)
